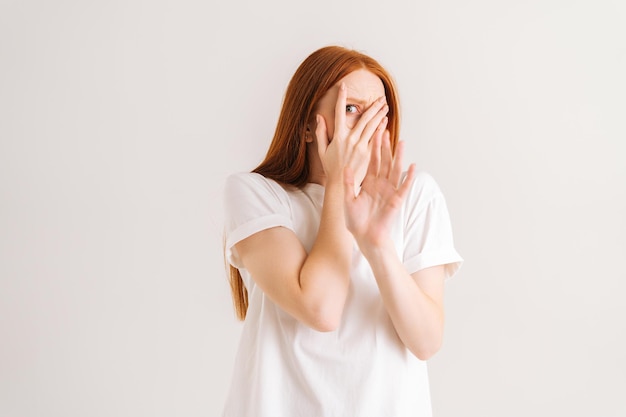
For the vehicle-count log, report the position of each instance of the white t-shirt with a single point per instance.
(284, 368)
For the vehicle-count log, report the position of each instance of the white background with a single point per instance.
(119, 121)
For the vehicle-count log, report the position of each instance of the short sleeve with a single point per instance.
(427, 229)
(252, 203)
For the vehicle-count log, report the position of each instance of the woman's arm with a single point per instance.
(413, 302)
(313, 287)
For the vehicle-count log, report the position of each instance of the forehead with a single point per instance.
(363, 84)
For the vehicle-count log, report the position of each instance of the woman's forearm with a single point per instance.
(417, 315)
(325, 274)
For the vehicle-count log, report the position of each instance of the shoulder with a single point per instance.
(425, 182)
(249, 187)
(423, 190)
(245, 179)
(251, 181)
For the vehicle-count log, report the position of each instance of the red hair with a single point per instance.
(286, 160)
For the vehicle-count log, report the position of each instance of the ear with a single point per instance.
(308, 137)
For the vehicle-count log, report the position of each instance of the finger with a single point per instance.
(382, 127)
(340, 108)
(380, 130)
(396, 170)
(374, 165)
(321, 134)
(373, 114)
(348, 184)
(375, 143)
(408, 181)
(372, 125)
(386, 159)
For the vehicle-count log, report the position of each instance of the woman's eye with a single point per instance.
(351, 108)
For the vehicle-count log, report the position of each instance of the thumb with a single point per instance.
(321, 134)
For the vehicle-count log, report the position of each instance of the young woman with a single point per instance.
(337, 257)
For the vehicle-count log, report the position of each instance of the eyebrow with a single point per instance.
(356, 101)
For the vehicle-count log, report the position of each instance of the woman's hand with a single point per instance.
(414, 301)
(349, 146)
(370, 213)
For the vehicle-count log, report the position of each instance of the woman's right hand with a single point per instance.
(350, 145)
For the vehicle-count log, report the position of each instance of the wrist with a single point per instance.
(376, 249)
(333, 184)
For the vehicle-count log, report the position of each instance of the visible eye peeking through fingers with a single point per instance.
(352, 109)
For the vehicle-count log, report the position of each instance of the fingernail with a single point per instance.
(317, 118)
(342, 86)
(382, 99)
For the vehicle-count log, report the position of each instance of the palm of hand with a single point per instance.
(370, 213)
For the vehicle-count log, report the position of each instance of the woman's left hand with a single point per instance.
(370, 213)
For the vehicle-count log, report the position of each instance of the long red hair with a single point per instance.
(286, 160)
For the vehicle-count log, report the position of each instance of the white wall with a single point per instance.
(119, 121)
